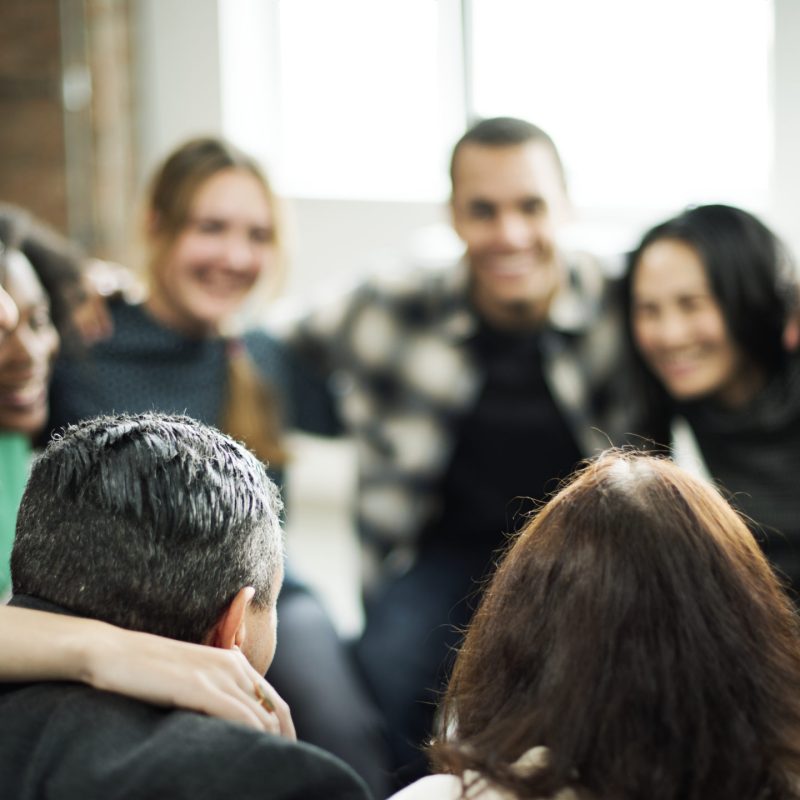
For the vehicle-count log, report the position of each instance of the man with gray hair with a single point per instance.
(159, 524)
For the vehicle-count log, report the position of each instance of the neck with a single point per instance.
(514, 316)
(742, 391)
(171, 318)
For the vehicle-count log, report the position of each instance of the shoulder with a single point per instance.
(265, 349)
(134, 332)
(418, 295)
(128, 317)
(432, 787)
(588, 293)
(110, 746)
(253, 764)
(402, 293)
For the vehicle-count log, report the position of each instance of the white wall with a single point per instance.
(180, 88)
(785, 190)
(177, 71)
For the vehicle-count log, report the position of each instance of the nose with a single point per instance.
(239, 252)
(672, 329)
(513, 232)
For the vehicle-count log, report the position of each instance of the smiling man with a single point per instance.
(470, 392)
(508, 203)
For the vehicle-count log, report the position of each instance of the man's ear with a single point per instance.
(230, 627)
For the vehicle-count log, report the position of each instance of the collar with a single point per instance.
(38, 604)
(572, 311)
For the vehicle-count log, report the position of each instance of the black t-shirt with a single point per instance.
(512, 448)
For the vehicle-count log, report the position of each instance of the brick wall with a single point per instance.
(32, 154)
(71, 166)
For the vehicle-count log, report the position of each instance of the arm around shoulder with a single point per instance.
(40, 646)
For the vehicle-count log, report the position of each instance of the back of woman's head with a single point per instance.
(635, 630)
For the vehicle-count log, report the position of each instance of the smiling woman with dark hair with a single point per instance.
(40, 274)
(711, 295)
(633, 643)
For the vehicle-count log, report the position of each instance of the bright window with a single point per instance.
(365, 94)
(653, 104)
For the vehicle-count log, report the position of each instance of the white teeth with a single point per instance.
(679, 365)
(24, 396)
(511, 266)
(220, 283)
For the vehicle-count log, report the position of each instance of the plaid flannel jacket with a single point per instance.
(396, 353)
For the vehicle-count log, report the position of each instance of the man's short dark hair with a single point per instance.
(150, 521)
(504, 132)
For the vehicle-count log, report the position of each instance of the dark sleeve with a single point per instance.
(312, 401)
(307, 404)
(280, 770)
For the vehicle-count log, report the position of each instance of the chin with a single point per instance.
(213, 316)
(686, 394)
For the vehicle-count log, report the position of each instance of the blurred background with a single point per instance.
(354, 105)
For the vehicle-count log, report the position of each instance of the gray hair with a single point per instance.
(150, 521)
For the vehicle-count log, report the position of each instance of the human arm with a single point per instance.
(102, 281)
(38, 646)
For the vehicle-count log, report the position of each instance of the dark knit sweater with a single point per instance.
(145, 366)
(753, 453)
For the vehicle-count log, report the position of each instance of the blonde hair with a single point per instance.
(175, 185)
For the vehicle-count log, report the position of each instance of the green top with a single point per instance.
(15, 458)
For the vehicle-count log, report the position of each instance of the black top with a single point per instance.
(512, 448)
(753, 453)
(146, 366)
(67, 741)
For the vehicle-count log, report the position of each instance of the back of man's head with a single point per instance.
(152, 522)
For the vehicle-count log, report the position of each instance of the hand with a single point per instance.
(165, 672)
(102, 280)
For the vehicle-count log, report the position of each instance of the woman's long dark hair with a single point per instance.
(635, 630)
(57, 262)
(752, 279)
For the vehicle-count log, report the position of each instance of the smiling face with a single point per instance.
(680, 330)
(508, 202)
(27, 350)
(215, 261)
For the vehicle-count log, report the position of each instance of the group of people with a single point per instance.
(598, 660)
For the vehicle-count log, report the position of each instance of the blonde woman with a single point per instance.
(213, 244)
